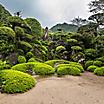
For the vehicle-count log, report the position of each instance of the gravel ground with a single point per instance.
(85, 89)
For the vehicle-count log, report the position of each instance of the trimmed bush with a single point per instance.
(60, 48)
(72, 41)
(77, 48)
(20, 67)
(53, 63)
(32, 60)
(88, 63)
(7, 31)
(19, 31)
(16, 82)
(97, 63)
(100, 59)
(25, 44)
(68, 70)
(29, 55)
(43, 69)
(21, 59)
(37, 67)
(99, 71)
(17, 21)
(92, 68)
(90, 53)
(35, 26)
(71, 64)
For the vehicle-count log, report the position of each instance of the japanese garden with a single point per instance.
(30, 53)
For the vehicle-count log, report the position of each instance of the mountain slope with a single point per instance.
(65, 27)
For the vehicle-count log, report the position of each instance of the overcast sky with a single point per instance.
(49, 12)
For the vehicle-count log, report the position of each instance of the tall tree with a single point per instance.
(96, 6)
(79, 21)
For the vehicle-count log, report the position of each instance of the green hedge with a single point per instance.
(37, 67)
(97, 63)
(43, 69)
(71, 64)
(68, 70)
(99, 71)
(53, 63)
(72, 68)
(16, 82)
(92, 68)
(88, 63)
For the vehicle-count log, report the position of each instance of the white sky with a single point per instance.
(49, 12)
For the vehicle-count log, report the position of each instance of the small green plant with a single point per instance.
(21, 59)
(16, 82)
(92, 68)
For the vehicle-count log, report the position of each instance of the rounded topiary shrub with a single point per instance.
(29, 55)
(43, 69)
(71, 64)
(88, 63)
(100, 59)
(97, 63)
(32, 59)
(60, 48)
(7, 31)
(20, 67)
(99, 71)
(15, 81)
(19, 31)
(90, 53)
(21, 59)
(35, 26)
(68, 70)
(77, 48)
(54, 63)
(92, 68)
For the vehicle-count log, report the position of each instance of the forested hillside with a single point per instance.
(65, 27)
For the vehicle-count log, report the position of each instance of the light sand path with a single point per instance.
(85, 89)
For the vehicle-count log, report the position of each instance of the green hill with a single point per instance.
(65, 27)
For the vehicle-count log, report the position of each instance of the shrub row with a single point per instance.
(37, 67)
(91, 62)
